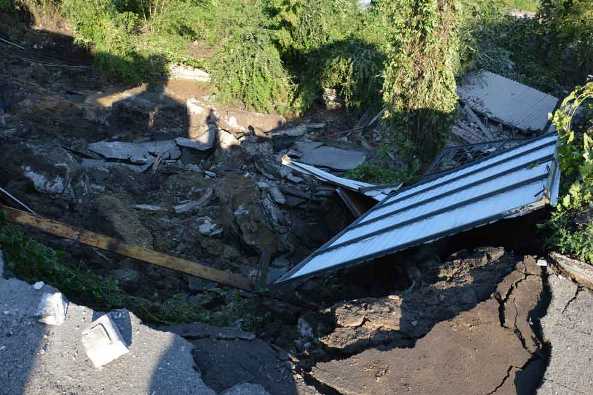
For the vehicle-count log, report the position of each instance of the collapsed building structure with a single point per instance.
(489, 181)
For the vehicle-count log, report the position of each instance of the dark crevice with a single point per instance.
(576, 294)
(504, 380)
(531, 376)
(502, 301)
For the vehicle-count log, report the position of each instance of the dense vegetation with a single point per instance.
(571, 227)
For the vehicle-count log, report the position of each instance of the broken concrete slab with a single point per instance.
(507, 101)
(102, 342)
(567, 327)
(299, 130)
(203, 142)
(318, 154)
(182, 72)
(36, 359)
(580, 272)
(471, 353)
(136, 153)
(207, 228)
(50, 168)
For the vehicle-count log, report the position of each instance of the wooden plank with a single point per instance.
(142, 254)
(579, 271)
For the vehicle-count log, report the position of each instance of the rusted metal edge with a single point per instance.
(107, 243)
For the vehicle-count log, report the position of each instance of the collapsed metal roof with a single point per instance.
(511, 183)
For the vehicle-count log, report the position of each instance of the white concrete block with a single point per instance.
(103, 342)
(52, 309)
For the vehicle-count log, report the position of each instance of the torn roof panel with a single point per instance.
(507, 101)
(375, 192)
(511, 183)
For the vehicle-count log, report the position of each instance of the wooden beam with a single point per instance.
(142, 254)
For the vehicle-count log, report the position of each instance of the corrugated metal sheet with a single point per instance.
(376, 192)
(510, 183)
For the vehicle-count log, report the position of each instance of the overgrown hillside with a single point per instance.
(288, 56)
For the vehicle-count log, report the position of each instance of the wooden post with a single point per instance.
(142, 254)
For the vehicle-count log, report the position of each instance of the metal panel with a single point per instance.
(507, 101)
(376, 192)
(511, 183)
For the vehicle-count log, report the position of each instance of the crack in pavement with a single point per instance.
(576, 294)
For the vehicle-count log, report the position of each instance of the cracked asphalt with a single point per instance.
(568, 327)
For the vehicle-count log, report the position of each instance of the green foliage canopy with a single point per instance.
(570, 228)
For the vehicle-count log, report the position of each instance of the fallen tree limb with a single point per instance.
(579, 271)
(142, 254)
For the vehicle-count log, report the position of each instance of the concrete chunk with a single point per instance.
(317, 154)
(180, 72)
(136, 153)
(52, 309)
(103, 342)
(204, 142)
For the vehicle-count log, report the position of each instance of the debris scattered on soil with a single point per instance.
(509, 184)
(372, 191)
(136, 153)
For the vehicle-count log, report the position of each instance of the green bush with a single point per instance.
(8, 6)
(248, 68)
(567, 42)
(306, 25)
(423, 59)
(330, 44)
(566, 231)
